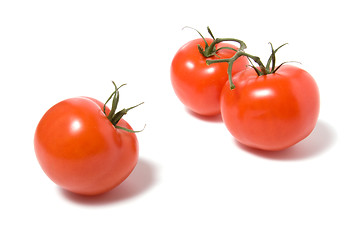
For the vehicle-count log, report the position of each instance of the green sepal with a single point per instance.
(129, 130)
(113, 117)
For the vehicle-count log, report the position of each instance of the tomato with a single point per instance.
(197, 85)
(81, 150)
(272, 111)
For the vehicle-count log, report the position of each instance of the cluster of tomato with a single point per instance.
(267, 107)
(87, 148)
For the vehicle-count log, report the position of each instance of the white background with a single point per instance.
(193, 181)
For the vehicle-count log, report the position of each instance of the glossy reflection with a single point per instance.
(210, 70)
(190, 65)
(263, 93)
(75, 126)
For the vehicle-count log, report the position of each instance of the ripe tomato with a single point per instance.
(197, 85)
(81, 150)
(273, 111)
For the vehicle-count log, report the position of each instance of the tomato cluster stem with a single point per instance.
(211, 50)
(270, 67)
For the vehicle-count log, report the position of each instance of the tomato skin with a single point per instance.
(198, 85)
(80, 150)
(271, 112)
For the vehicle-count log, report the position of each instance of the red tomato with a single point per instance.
(198, 85)
(273, 111)
(81, 150)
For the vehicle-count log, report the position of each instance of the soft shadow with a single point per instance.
(319, 141)
(139, 181)
(215, 118)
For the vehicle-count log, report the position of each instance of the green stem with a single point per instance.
(231, 61)
(114, 105)
(113, 117)
(129, 130)
(116, 88)
(264, 70)
(116, 118)
(210, 50)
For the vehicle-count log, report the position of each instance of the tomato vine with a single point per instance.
(270, 67)
(211, 50)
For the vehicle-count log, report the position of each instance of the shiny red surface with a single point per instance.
(80, 150)
(271, 112)
(197, 84)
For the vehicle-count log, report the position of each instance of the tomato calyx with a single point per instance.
(270, 67)
(211, 50)
(113, 117)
